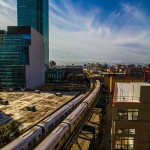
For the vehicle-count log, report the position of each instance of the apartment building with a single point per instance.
(131, 116)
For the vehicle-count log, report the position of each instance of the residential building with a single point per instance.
(130, 116)
(35, 13)
(137, 72)
(118, 66)
(21, 57)
(93, 67)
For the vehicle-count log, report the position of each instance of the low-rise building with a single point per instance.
(61, 73)
(55, 74)
(76, 78)
(93, 67)
(130, 116)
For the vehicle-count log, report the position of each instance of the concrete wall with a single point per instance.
(35, 74)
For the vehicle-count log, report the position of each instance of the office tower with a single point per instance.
(130, 116)
(21, 57)
(35, 13)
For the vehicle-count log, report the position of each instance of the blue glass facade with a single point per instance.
(14, 49)
(35, 13)
(56, 74)
(12, 76)
(14, 55)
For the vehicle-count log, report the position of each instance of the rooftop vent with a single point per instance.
(31, 108)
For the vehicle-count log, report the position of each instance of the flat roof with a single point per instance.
(128, 92)
(44, 102)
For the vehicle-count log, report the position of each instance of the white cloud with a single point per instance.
(7, 13)
(80, 35)
(134, 12)
(104, 42)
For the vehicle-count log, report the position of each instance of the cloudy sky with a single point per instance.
(94, 30)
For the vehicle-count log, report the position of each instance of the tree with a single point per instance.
(8, 133)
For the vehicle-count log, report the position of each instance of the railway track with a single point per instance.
(60, 138)
(77, 130)
(49, 114)
(36, 133)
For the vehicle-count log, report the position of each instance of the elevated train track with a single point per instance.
(64, 135)
(91, 87)
(87, 116)
(43, 127)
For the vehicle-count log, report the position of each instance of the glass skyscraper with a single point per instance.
(21, 58)
(14, 55)
(35, 13)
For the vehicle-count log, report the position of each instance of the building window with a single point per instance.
(127, 114)
(125, 131)
(124, 143)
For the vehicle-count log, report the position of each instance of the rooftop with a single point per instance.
(130, 92)
(44, 102)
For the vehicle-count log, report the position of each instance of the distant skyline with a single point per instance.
(93, 30)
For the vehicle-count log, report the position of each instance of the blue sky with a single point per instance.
(94, 30)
